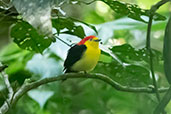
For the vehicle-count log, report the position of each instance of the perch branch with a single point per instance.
(28, 86)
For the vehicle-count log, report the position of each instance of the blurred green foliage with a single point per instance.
(125, 38)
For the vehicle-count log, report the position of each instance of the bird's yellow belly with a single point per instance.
(88, 61)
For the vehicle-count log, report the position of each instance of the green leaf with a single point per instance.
(127, 53)
(128, 75)
(131, 10)
(12, 53)
(66, 25)
(89, 25)
(16, 59)
(167, 51)
(26, 37)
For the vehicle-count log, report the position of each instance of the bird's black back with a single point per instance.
(74, 54)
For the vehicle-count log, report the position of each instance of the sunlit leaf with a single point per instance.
(167, 51)
(129, 75)
(131, 10)
(66, 25)
(89, 25)
(127, 53)
(26, 37)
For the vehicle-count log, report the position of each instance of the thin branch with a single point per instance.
(4, 3)
(62, 41)
(148, 44)
(7, 83)
(158, 4)
(28, 86)
(152, 11)
(163, 102)
(10, 90)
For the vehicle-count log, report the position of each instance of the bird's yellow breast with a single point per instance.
(89, 59)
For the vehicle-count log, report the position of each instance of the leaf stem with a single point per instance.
(63, 41)
(163, 102)
(148, 44)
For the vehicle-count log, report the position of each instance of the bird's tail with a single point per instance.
(67, 70)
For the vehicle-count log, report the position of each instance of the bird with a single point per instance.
(83, 56)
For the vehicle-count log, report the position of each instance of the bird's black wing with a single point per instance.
(74, 54)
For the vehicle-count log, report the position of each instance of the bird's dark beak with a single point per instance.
(98, 40)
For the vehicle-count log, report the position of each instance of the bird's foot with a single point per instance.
(64, 78)
(86, 73)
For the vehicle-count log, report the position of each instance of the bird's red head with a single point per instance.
(85, 39)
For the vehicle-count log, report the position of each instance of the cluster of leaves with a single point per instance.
(131, 10)
(77, 96)
(62, 25)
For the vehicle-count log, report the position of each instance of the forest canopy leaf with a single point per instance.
(167, 51)
(127, 53)
(89, 25)
(129, 75)
(66, 25)
(131, 10)
(27, 37)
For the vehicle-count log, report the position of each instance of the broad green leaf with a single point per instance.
(26, 37)
(12, 53)
(16, 60)
(89, 25)
(19, 76)
(128, 54)
(167, 51)
(66, 25)
(128, 75)
(131, 10)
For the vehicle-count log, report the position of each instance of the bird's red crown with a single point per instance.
(85, 39)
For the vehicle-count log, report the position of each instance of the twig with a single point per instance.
(28, 86)
(148, 44)
(4, 3)
(152, 11)
(8, 85)
(151, 55)
(62, 40)
(10, 90)
(163, 102)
